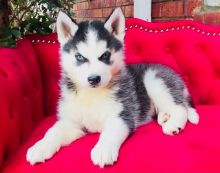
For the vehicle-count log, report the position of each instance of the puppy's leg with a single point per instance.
(169, 100)
(106, 150)
(187, 106)
(62, 133)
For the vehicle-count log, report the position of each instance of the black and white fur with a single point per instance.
(102, 94)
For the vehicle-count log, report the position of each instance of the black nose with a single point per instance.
(94, 80)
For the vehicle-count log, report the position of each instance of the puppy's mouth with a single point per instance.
(94, 86)
(99, 85)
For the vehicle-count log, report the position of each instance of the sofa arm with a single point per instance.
(21, 103)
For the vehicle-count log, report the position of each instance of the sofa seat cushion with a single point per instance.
(196, 149)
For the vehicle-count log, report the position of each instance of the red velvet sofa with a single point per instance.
(29, 76)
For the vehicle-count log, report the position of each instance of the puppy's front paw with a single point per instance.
(39, 152)
(102, 155)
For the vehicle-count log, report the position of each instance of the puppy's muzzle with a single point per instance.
(94, 80)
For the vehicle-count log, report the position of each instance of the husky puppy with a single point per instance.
(100, 93)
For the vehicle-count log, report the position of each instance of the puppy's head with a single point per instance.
(92, 52)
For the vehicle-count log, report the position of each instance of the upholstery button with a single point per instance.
(11, 115)
(186, 78)
(5, 155)
(169, 47)
(168, 50)
(4, 74)
(138, 49)
(35, 90)
(200, 48)
(25, 100)
(18, 66)
(35, 84)
(21, 139)
(24, 93)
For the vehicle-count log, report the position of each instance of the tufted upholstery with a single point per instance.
(21, 96)
(48, 59)
(190, 48)
(29, 90)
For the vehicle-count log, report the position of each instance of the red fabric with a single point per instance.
(192, 53)
(196, 149)
(50, 70)
(21, 98)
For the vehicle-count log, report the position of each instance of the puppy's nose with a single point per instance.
(94, 80)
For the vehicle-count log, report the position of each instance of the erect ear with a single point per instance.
(116, 24)
(66, 28)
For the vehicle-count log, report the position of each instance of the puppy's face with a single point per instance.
(92, 52)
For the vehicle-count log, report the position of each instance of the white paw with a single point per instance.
(193, 116)
(39, 152)
(102, 155)
(176, 120)
(162, 118)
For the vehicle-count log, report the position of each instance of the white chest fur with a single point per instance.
(89, 108)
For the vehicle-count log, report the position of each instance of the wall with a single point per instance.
(100, 9)
(209, 12)
(205, 11)
(163, 10)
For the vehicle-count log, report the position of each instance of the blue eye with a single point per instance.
(80, 59)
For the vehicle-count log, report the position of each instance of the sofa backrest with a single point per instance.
(47, 51)
(190, 48)
(21, 96)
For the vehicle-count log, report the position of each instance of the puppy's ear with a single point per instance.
(66, 28)
(116, 24)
